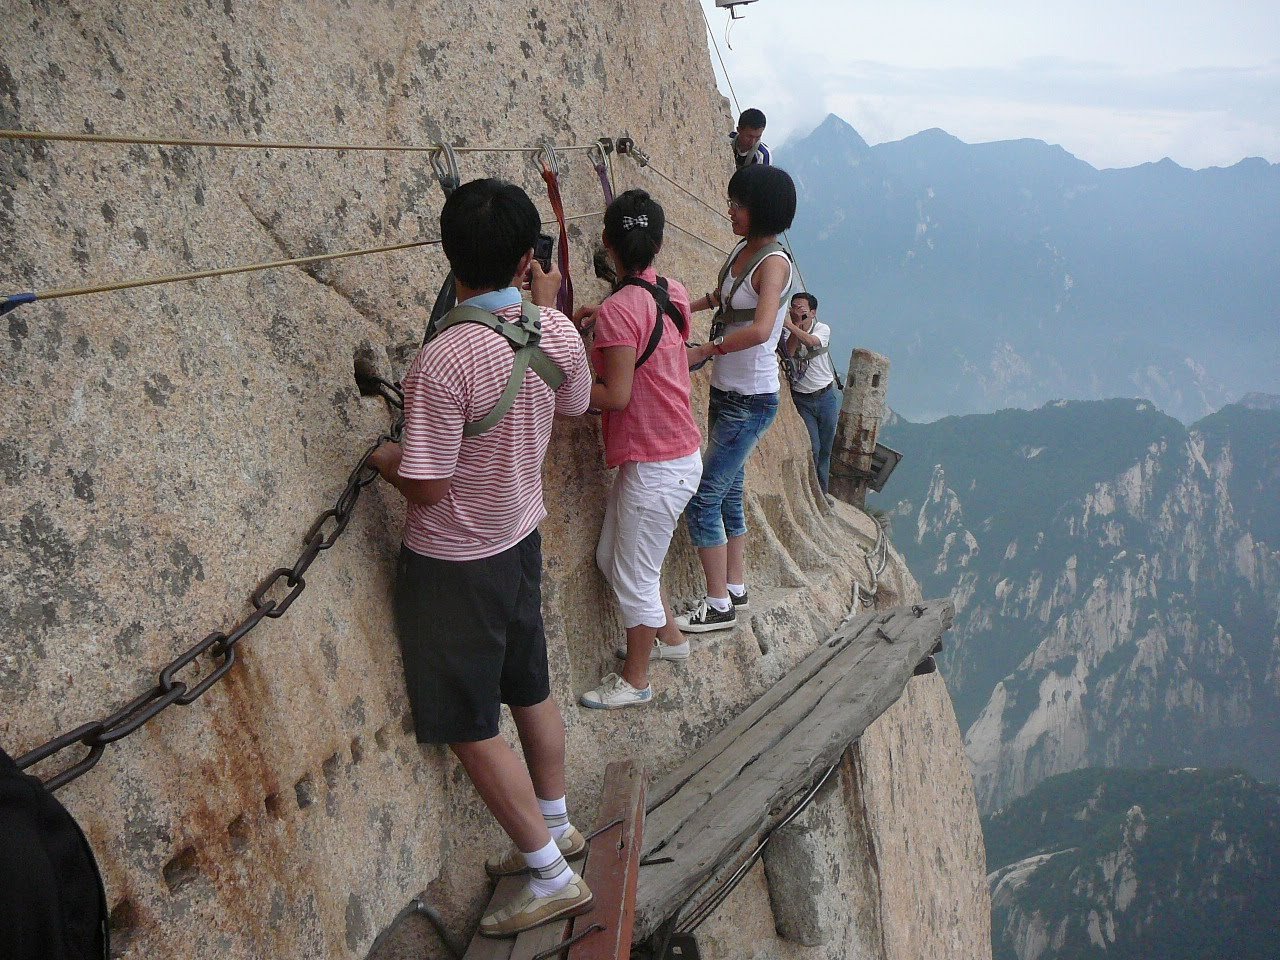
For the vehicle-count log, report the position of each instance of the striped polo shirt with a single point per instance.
(495, 497)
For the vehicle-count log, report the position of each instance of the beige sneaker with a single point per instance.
(527, 911)
(572, 845)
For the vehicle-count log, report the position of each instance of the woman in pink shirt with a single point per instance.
(650, 436)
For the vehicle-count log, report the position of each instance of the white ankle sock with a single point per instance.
(556, 815)
(736, 589)
(722, 605)
(548, 872)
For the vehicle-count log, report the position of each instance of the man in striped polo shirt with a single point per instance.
(468, 587)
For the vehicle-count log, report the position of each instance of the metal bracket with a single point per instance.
(628, 146)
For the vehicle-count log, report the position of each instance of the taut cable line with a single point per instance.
(698, 237)
(71, 137)
(18, 299)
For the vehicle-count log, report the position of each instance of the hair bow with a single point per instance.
(640, 221)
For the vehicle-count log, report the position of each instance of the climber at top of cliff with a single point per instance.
(468, 582)
(643, 387)
(748, 148)
(750, 303)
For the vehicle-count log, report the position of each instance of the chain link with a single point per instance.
(218, 647)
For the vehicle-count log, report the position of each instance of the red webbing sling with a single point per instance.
(564, 299)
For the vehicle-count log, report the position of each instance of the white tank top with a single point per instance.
(754, 370)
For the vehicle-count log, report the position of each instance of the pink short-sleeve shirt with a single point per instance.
(658, 422)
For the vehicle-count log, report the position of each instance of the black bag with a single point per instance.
(52, 902)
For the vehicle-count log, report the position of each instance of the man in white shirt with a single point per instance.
(813, 386)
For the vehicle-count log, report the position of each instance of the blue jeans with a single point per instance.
(735, 423)
(820, 412)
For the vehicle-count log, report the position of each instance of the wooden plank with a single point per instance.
(487, 948)
(759, 737)
(756, 800)
(532, 942)
(613, 870)
(778, 693)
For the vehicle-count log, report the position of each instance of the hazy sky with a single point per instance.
(1116, 83)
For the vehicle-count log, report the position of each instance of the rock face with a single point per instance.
(1117, 584)
(1122, 863)
(167, 447)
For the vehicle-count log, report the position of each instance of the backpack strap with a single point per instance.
(663, 299)
(524, 338)
(726, 316)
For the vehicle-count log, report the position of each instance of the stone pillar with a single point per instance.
(860, 419)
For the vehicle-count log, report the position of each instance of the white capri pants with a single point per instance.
(640, 517)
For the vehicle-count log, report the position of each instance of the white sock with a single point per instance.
(556, 815)
(723, 606)
(736, 589)
(548, 872)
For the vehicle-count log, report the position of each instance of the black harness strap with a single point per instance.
(663, 300)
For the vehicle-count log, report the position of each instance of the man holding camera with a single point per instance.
(806, 343)
(468, 591)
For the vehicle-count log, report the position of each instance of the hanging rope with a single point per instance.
(549, 167)
(599, 160)
(712, 34)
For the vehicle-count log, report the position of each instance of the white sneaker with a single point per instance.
(614, 693)
(704, 618)
(660, 651)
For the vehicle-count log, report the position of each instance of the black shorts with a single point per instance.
(471, 638)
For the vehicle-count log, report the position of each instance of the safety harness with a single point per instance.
(726, 316)
(663, 300)
(524, 336)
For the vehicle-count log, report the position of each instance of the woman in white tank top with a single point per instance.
(751, 303)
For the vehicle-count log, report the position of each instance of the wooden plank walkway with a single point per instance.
(728, 795)
(611, 868)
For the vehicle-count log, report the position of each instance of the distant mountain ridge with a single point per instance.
(1117, 584)
(1135, 865)
(1010, 273)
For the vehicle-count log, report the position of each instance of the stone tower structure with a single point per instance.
(860, 418)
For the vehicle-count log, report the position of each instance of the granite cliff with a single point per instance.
(166, 447)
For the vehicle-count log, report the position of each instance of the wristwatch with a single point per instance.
(717, 347)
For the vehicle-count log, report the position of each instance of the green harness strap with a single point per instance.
(523, 337)
(725, 314)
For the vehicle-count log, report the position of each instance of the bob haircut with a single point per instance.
(486, 227)
(634, 244)
(769, 194)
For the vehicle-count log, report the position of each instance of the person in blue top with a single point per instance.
(747, 145)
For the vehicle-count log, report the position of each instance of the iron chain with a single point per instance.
(219, 647)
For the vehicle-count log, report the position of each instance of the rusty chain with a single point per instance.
(219, 647)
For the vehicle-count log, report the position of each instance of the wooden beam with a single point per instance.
(748, 784)
(778, 693)
(614, 867)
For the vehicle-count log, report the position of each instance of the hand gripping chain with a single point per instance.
(220, 647)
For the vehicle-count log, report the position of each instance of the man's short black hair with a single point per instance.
(752, 119)
(486, 226)
(769, 194)
(808, 298)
